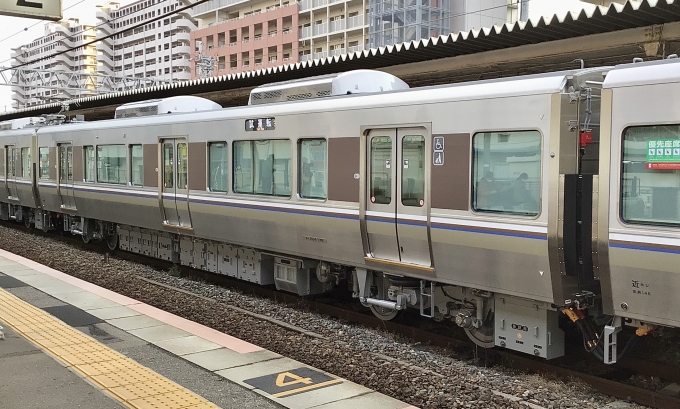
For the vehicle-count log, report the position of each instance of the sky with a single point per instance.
(18, 31)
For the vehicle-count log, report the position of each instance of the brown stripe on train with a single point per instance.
(343, 163)
(197, 160)
(78, 164)
(150, 160)
(450, 184)
(53, 162)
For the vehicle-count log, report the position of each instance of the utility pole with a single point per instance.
(204, 64)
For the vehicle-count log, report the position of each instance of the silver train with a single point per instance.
(510, 207)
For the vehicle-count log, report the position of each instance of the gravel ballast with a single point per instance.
(426, 377)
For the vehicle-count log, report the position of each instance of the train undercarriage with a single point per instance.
(489, 319)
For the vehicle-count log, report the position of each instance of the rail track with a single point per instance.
(609, 381)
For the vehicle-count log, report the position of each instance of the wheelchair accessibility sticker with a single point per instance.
(281, 385)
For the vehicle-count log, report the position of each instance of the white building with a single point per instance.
(157, 49)
(59, 36)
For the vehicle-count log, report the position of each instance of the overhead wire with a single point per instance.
(113, 34)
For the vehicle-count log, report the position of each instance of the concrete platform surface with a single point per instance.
(130, 354)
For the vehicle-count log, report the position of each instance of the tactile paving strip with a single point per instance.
(129, 382)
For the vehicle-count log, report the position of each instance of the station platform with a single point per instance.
(69, 343)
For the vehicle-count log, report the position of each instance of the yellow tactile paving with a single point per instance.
(131, 383)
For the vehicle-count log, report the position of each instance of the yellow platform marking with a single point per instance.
(127, 381)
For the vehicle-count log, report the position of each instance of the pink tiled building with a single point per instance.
(252, 41)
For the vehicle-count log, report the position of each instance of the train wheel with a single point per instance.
(111, 241)
(85, 239)
(482, 336)
(27, 222)
(385, 314)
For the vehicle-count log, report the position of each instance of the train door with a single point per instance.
(13, 166)
(65, 152)
(396, 202)
(174, 190)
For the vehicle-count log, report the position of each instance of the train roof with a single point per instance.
(644, 73)
(547, 83)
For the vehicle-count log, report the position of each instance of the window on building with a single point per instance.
(44, 168)
(89, 163)
(217, 153)
(111, 161)
(650, 177)
(506, 172)
(136, 165)
(262, 167)
(312, 169)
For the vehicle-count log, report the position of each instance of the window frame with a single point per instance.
(299, 169)
(45, 176)
(124, 167)
(130, 160)
(252, 144)
(23, 165)
(94, 152)
(209, 168)
(473, 182)
(622, 220)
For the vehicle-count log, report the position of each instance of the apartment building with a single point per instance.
(252, 35)
(59, 36)
(158, 48)
(244, 35)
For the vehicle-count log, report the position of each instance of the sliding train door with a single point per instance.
(13, 165)
(65, 186)
(174, 193)
(396, 216)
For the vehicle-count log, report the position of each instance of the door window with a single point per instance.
(44, 163)
(65, 162)
(413, 170)
(182, 163)
(381, 170)
(168, 165)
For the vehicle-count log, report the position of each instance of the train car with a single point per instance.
(637, 237)
(471, 202)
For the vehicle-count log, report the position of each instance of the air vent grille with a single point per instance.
(133, 112)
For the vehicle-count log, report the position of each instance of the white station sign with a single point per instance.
(39, 9)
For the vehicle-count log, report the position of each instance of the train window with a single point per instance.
(650, 177)
(44, 169)
(182, 165)
(136, 165)
(89, 162)
(413, 170)
(262, 167)
(217, 153)
(11, 155)
(26, 162)
(381, 173)
(312, 168)
(506, 172)
(168, 165)
(111, 161)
